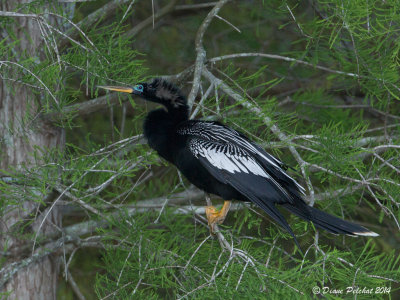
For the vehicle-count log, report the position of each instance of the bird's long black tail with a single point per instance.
(328, 222)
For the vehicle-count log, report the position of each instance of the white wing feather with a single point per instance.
(219, 156)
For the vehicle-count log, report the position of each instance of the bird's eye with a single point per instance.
(138, 88)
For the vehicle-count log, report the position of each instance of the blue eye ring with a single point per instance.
(138, 88)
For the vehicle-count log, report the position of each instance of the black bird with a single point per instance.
(222, 161)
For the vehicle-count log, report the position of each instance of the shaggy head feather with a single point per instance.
(167, 92)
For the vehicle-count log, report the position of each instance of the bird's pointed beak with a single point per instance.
(121, 89)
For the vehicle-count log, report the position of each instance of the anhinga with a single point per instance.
(222, 161)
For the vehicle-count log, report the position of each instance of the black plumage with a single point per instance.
(224, 162)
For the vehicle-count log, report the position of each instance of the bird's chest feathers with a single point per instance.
(159, 130)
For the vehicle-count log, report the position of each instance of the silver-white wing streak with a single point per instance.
(230, 158)
(226, 157)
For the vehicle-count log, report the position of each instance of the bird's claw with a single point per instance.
(216, 216)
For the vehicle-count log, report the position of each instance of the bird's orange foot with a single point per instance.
(215, 216)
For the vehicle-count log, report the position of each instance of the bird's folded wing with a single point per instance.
(231, 164)
(215, 132)
(234, 166)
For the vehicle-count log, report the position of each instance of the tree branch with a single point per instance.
(289, 59)
(142, 25)
(85, 108)
(102, 13)
(201, 52)
(75, 287)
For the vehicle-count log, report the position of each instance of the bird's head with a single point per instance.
(158, 90)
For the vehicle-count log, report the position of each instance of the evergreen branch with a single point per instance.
(102, 102)
(366, 182)
(34, 75)
(88, 227)
(177, 201)
(298, 25)
(298, 61)
(180, 77)
(103, 12)
(125, 168)
(85, 70)
(337, 193)
(65, 244)
(90, 208)
(315, 245)
(384, 208)
(11, 269)
(62, 193)
(22, 83)
(72, 39)
(385, 162)
(352, 106)
(67, 37)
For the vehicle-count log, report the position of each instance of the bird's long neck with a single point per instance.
(178, 114)
(160, 128)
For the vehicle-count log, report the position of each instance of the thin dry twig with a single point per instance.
(298, 61)
(201, 52)
(75, 287)
(297, 23)
(150, 20)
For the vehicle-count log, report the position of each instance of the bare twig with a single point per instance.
(203, 98)
(229, 23)
(75, 287)
(298, 25)
(154, 17)
(289, 59)
(15, 14)
(195, 6)
(201, 52)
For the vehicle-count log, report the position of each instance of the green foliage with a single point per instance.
(175, 259)
(340, 113)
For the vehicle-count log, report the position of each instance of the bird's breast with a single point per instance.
(158, 130)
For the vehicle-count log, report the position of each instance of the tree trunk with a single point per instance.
(20, 135)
